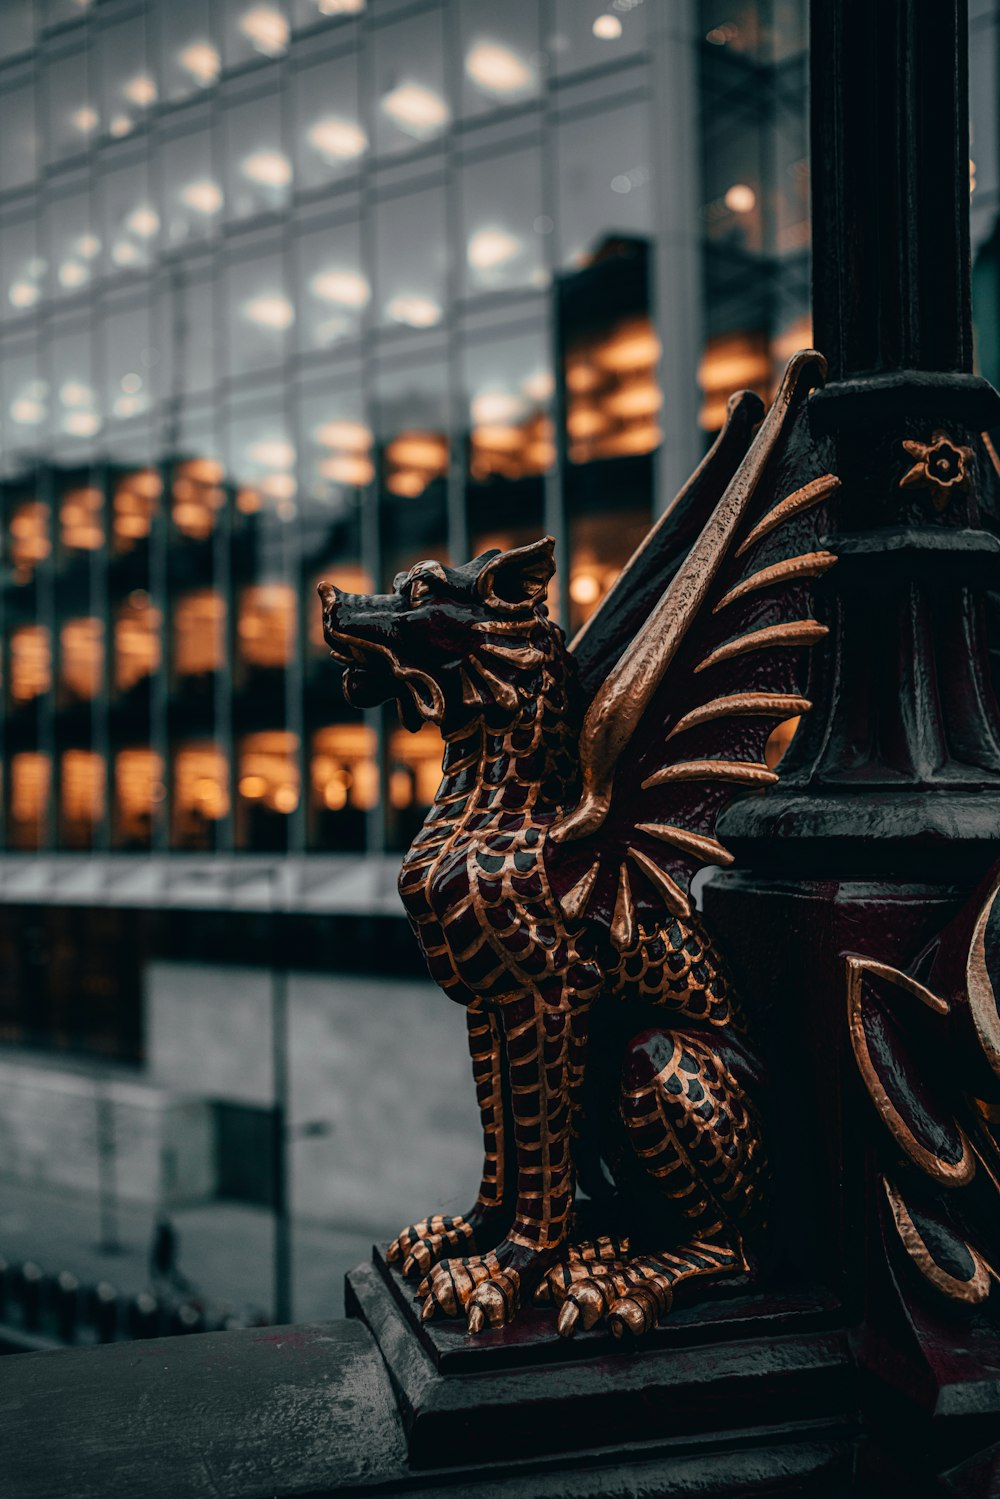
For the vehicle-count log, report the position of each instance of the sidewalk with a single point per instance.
(224, 1249)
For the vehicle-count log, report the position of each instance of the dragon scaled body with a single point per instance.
(549, 885)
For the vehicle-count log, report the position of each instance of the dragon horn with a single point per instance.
(618, 707)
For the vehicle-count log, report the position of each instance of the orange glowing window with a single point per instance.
(269, 770)
(30, 663)
(348, 576)
(600, 547)
(137, 641)
(197, 496)
(344, 772)
(415, 772)
(266, 628)
(413, 460)
(347, 459)
(29, 538)
(201, 789)
(81, 645)
(80, 521)
(136, 498)
(613, 397)
(510, 450)
(138, 788)
(30, 781)
(81, 794)
(732, 361)
(199, 633)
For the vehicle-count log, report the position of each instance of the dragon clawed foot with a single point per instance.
(423, 1244)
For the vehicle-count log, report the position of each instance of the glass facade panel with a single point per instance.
(75, 414)
(30, 780)
(258, 173)
(334, 291)
(128, 88)
(137, 641)
(411, 259)
(605, 179)
(129, 219)
(414, 448)
(139, 789)
(330, 140)
(81, 798)
(188, 51)
(71, 245)
(25, 403)
(129, 366)
(502, 214)
(22, 269)
(19, 159)
(593, 33)
(30, 663)
(17, 33)
(192, 197)
(501, 54)
(253, 30)
(72, 116)
(200, 795)
(508, 384)
(259, 314)
(411, 107)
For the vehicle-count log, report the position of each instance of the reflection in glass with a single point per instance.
(253, 29)
(72, 247)
(192, 197)
(409, 83)
(25, 401)
(200, 794)
(30, 779)
(330, 140)
(508, 385)
(613, 398)
(17, 33)
(262, 458)
(199, 621)
(19, 158)
(129, 218)
(259, 313)
(81, 526)
(138, 790)
(137, 641)
(81, 797)
(22, 269)
(30, 663)
(189, 57)
(196, 496)
(333, 288)
(308, 12)
(266, 626)
(129, 88)
(501, 203)
(75, 407)
(258, 173)
(29, 538)
(135, 502)
(128, 363)
(592, 33)
(336, 445)
(81, 657)
(501, 53)
(73, 118)
(604, 179)
(411, 259)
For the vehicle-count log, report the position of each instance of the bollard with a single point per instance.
(143, 1316)
(186, 1318)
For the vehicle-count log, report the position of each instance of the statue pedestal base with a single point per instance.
(742, 1393)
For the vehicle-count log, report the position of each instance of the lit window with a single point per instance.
(197, 496)
(266, 628)
(135, 503)
(138, 789)
(415, 767)
(613, 398)
(344, 772)
(29, 538)
(81, 645)
(199, 633)
(137, 641)
(30, 663)
(732, 361)
(30, 782)
(409, 82)
(269, 770)
(600, 546)
(347, 448)
(80, 509)
(81, 796)
(413, 460)
(201, 793)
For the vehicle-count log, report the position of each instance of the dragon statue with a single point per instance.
(549, 884)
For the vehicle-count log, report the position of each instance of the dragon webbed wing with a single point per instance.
(680, 723)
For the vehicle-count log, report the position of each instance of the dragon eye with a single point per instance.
(420, 592)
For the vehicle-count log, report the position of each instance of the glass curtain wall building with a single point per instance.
(294, 290)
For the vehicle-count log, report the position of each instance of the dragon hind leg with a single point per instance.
(695, 1132)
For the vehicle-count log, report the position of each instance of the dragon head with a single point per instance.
(448, 643)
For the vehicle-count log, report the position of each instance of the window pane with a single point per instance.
(258, 173)
(75, 411)
(25, 402)
(29, 541)
(501, 205)
(200, 798)
(262, 465)
(333, 289)
(138, 791)
(72, 245)
(411, 259)
(411, 107)
(508, 385)
(604, 179)
(81, 651)
(30, 663)
(21, 268)
(259, 314)
(128, 369)
(413, 437)
(73, 118)
(308, 12)
(19, 158)
(17, 33)
(330, 141)
(268, 788)
(30, 780)
(189, 56)
(253, 29)
(130, 222)
(185, 336)
(501, 54)
(192, 198)
(128, 88)
(344, 785)
(335, 443)
(591, 33)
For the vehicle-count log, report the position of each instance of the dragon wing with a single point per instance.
(679, 725)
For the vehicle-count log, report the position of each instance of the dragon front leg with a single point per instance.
(545, 1042)
(421, 1245)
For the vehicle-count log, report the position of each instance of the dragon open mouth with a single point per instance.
(372, 675)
